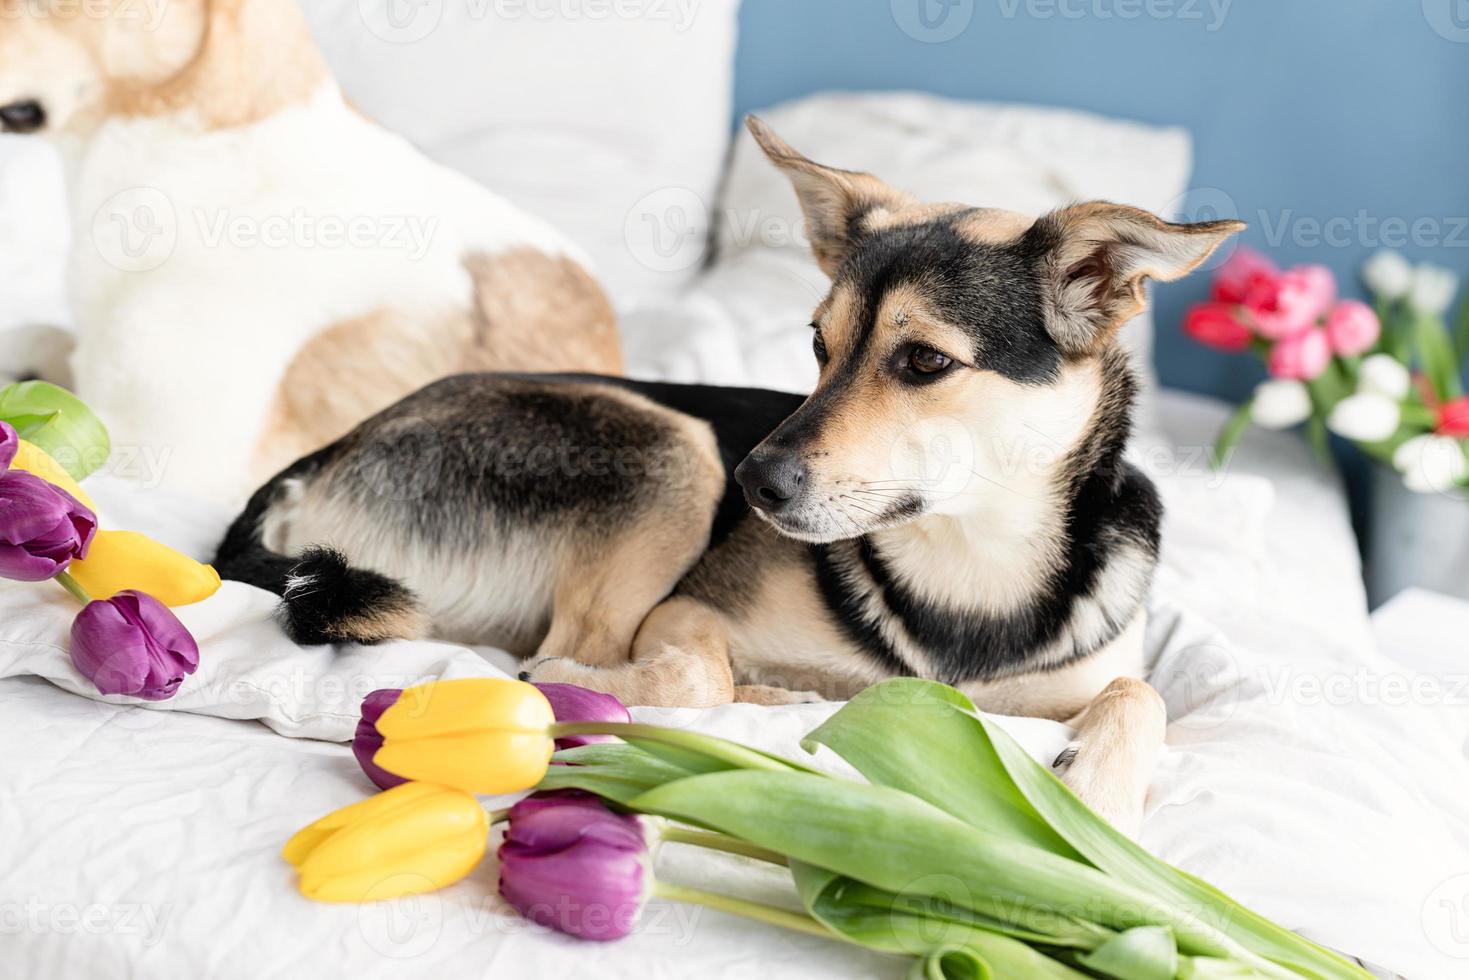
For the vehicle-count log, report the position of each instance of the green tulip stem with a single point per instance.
(499, 816)
(708, 746)
(749, 910)
(73, 586)
(720, 842)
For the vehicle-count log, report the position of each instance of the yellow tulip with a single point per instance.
(414, 838)
(120, 560)
(36, 461)
(477, 734)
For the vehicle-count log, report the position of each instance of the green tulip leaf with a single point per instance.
(904, 733)
(864, 914)
(614, 771)
(698, 752)
(610, 786)
(58, 422)
(1461, 330)
(876, 920)
(1439, 358)
(1122, 858)
(28, 425)
(953, 963)
(623, 757)
(917, 849)
(1017, 781)
(1146, 953)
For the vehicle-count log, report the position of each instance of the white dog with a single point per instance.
(255, 267)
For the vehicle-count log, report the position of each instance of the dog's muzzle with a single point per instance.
(771, 479)
(24, 116)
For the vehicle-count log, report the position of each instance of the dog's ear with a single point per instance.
(1095, 258)
(835, 202)
(152, 48)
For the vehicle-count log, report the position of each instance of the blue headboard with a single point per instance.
(1329, 126)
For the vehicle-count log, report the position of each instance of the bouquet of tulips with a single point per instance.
(1388, 376)
(955, 848)
(125, 640)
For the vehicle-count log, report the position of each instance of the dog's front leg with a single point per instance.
(680, 658)
(1110, 761)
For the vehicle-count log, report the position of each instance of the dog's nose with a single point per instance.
(771, 480)
(25, 116)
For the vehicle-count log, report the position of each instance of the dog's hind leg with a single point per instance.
(1110, 761)
(680, 659)
(606, 590)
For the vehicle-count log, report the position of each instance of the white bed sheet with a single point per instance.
(143, 841)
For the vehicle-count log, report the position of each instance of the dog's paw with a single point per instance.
(1109, 795)
(552, 670)
(765, 694)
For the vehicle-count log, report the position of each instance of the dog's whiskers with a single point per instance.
(990, 479)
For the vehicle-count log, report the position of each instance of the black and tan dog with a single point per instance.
(950, 502)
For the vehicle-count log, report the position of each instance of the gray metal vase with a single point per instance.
(1416, 539)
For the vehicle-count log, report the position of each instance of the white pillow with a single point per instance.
(1018, 157)
(593, 115)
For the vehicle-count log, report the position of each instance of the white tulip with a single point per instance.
(1385, 375)
(1365, 417)
(1280, 403)
(1388, 274)
(1431, 464)
(1433, 289)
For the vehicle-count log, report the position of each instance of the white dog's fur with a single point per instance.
(224, 220)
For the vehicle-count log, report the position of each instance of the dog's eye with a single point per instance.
(818, 344)
(926, 360)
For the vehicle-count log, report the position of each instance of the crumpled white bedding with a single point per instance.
(143, 840)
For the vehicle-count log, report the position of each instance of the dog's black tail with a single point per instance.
(323, 598)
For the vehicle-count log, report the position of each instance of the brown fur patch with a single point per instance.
(993, 226)
(915, 214)
(254, 59)
(531, 312)
(393, 622)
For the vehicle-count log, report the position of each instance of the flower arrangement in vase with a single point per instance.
(1387, 376)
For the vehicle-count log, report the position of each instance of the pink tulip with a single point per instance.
(1245, 270)
(1453, 418)
(1292, 303)
(1302, 357)
(1215, 325)
(1352, 328)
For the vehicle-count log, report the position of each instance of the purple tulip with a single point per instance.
(572, 703)
(42, 528)
(571, 864)
(9, 443)
(367, 740)
(132, 644)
